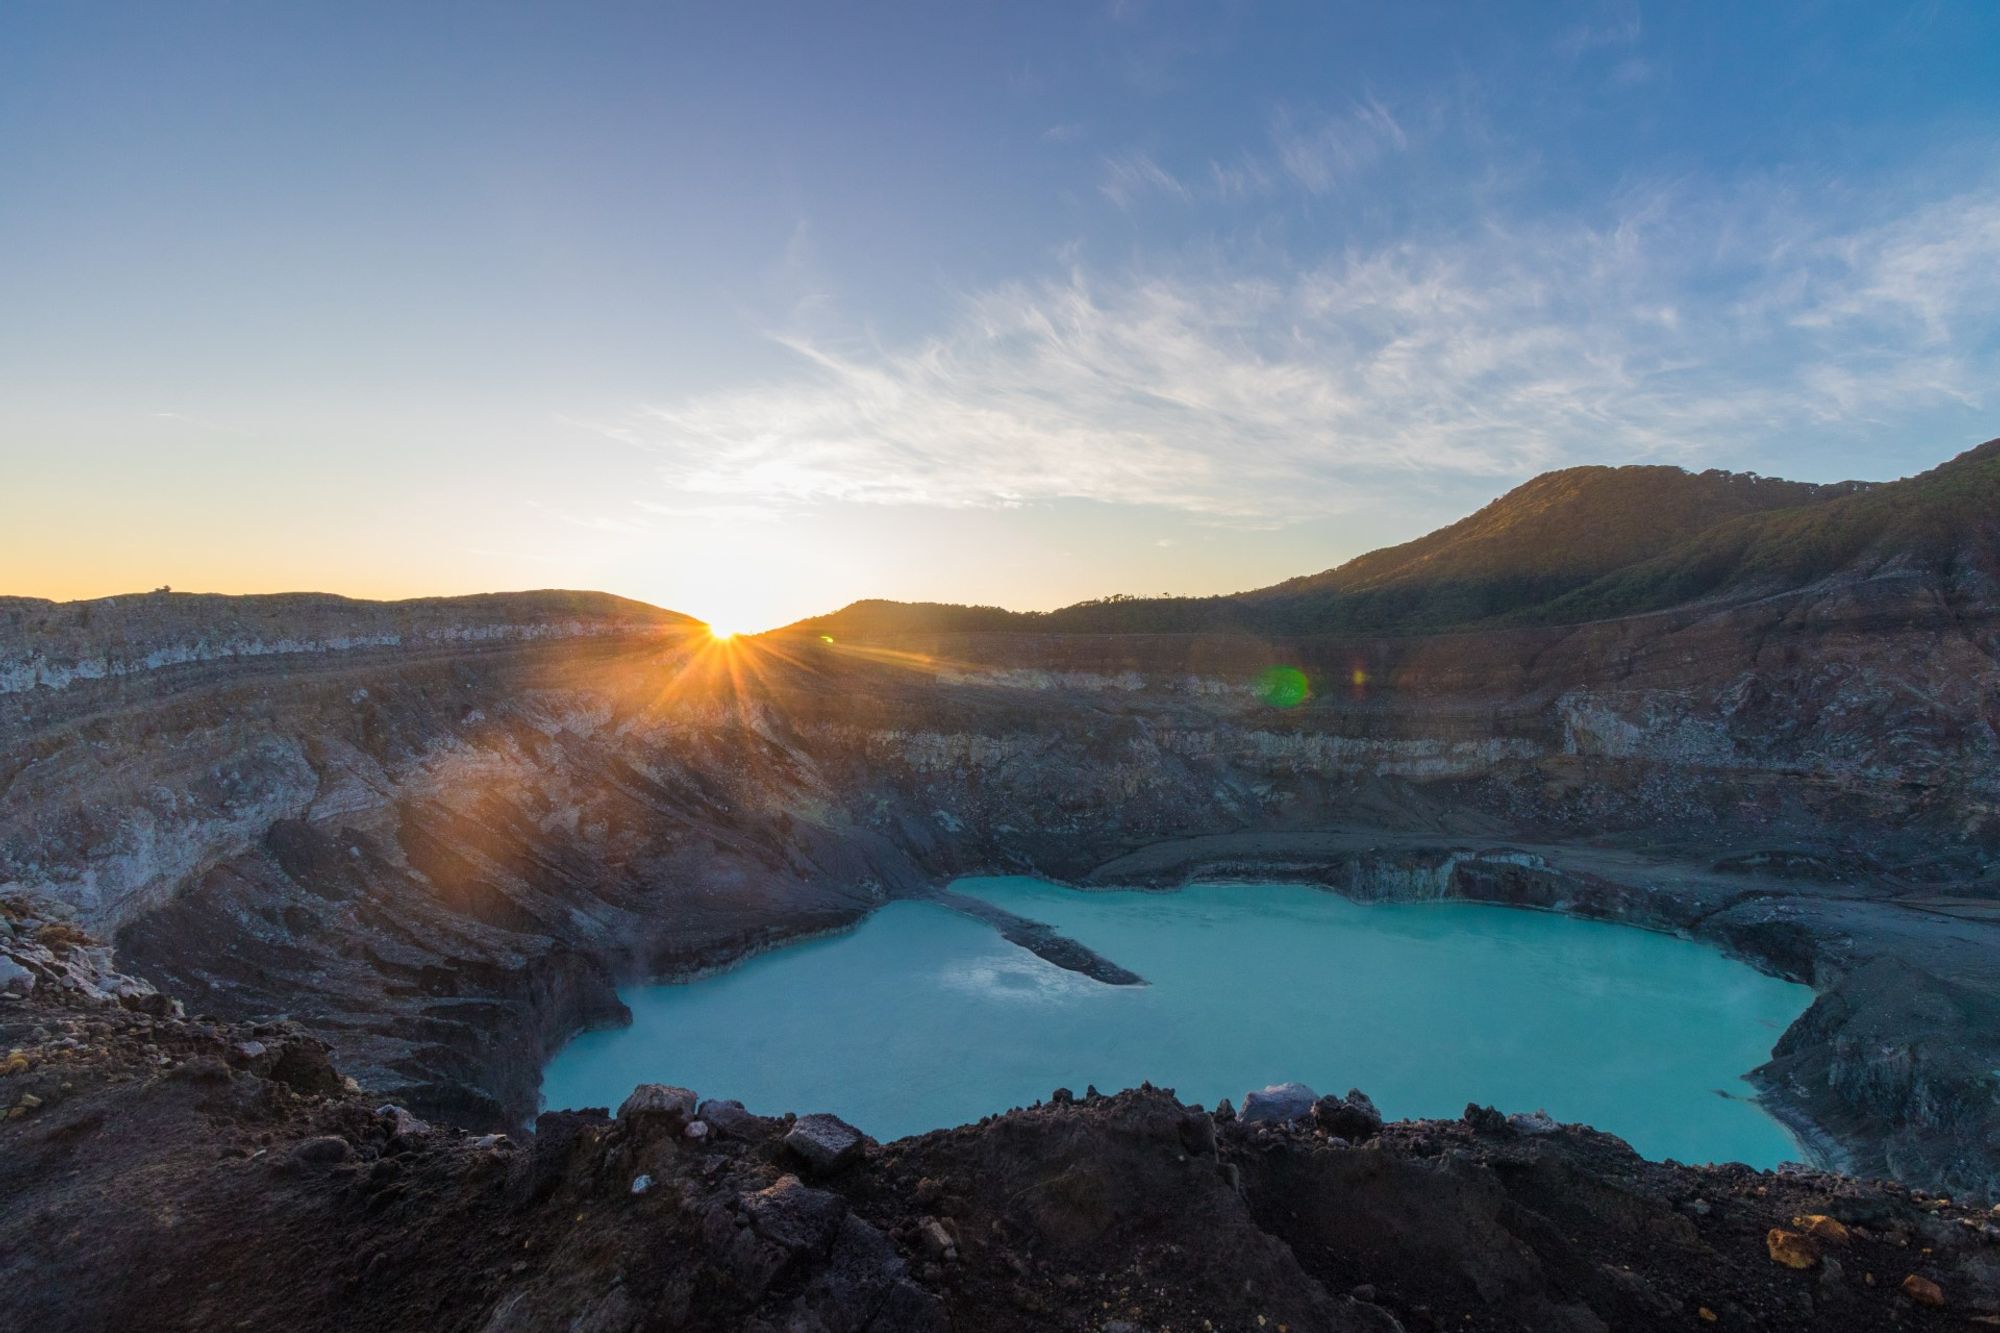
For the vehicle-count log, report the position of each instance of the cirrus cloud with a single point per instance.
(1677, 329)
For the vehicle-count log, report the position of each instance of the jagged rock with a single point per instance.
(937, 1241)
(658, 1099)
(15, 979)
(1533, 1123)
(1278, 1103)
(795, 1215)
(728, 1118)
(1822, 1228)
(1352, 1117)
(825, 1142)
(1197, 1133)
(1484, 1119)
(865, 1285)
(751, 1261)
(1791, 1248)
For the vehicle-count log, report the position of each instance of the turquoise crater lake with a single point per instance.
(922, 1017)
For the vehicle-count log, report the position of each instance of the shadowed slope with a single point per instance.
(1582, 544)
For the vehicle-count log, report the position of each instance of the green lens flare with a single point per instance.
(1283, 686)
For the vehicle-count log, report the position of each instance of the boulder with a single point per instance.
(1791, 1248)
(658, 1099)
(1278, 1104)
(792, 1214)
(936, 1240)
(143, 999)
(15, 979)
(728, 1118)
(302, 1065)
(402, 1124)
(863, 1283)
(326, 1150)
(1923, 1291)
(1540, 1122)
(1822, 1228)
(825, 1142)
(1352, 1117)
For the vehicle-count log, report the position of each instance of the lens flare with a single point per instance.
(1283, 686)
(720, 633)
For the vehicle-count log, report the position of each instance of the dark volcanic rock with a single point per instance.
(726, 1116)
(1277, 1104)
(824, 1142)
(325, 1150)
(794, 1215)
(660, 1100)
(1352, 1117)
(1076, 1215)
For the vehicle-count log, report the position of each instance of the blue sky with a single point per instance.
(753, 309)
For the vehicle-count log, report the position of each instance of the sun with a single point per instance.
(721, 633)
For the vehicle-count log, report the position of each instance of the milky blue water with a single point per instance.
(922, 1017)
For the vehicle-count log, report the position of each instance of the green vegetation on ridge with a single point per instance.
(1580, 544)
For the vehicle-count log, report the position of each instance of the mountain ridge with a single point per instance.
(1566, 547)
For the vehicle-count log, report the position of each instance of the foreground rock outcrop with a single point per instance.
(171, 1172)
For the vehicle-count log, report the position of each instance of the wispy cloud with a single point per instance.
(1324, 152)
(1131, 176)
(1617, 24)
(1268, 396)
(1931, 274)
(1313, 151)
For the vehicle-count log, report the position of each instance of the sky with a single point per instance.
(751, 310)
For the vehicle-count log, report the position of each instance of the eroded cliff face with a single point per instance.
(52, 645)
(443, 853)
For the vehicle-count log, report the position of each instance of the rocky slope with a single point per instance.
(173, 1173)
(1568, 547)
